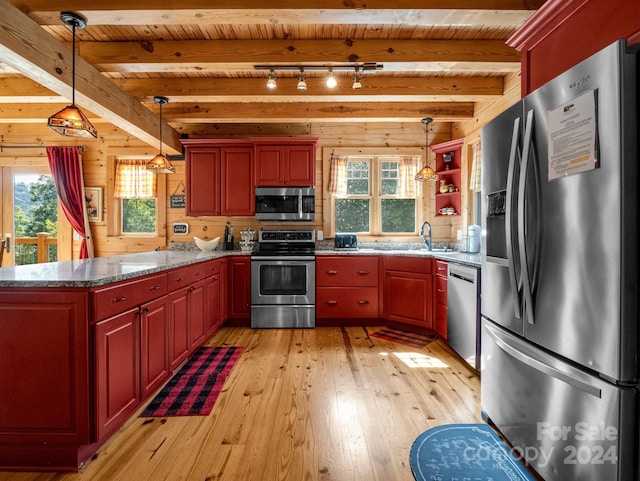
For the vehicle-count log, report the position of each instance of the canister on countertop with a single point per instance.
(473, 235)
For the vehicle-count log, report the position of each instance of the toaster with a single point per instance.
(345, 241)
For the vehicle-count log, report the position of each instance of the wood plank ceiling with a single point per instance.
(437, 61)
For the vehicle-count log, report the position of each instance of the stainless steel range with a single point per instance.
(283, 280)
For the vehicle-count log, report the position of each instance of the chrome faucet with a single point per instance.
(427, 241)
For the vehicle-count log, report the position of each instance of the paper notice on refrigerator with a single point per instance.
(572, 136)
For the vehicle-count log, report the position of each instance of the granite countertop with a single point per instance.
(103, 270)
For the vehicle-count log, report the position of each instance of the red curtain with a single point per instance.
(66, 168)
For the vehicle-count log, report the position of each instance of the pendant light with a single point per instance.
(426, 174)
(71, 121)
(160, 164)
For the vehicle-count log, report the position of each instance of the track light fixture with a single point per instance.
(357, 79)
(331, 80)
(302, 80)
(271, 83)
(71, 121)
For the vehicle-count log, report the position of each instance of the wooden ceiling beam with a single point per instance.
(28, 48)
(375, 89)
(211, 55)
(318, 112)
(323, 12)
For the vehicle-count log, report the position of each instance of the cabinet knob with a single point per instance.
(180, 279)
(154, 288)
(363, 273)
(146, 309)
(332, 303)
(119, 299)
(192, 288)
(332, 273)
(363, 301)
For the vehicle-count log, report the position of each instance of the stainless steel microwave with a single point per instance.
(286, 203)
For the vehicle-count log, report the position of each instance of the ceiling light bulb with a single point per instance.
(331, 80)
(271, 83)
(302, 80)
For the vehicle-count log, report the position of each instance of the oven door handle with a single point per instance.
(285, 257)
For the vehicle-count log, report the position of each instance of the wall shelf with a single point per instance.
(451, 174)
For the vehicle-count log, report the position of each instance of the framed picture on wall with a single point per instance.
(93, 197)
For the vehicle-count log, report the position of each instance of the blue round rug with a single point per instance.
(464, 451)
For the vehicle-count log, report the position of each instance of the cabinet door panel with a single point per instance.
(440, 321)
(269, 165)
(154, 356)
(441, 290)
(197, 318)
(117, 370)
(407, 298)
(179, 327)
(212, 304)
(240, 287)
(238, 186)
(300, 165)
(203, 181)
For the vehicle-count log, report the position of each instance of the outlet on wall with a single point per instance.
(459, 234)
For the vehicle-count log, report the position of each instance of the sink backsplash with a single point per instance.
(390, 246)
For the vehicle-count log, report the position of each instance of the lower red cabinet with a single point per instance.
(117, 370)
(347, 302)
(408, 291)
(154, 346)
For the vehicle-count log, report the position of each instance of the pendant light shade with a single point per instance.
(160, 164)
(426, 174)
(70, 121)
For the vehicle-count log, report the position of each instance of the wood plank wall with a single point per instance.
(98, 161)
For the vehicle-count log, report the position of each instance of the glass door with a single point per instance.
(29, 215)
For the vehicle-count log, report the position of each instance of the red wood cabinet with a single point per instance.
(179, 345)
(117, 370)
(549, 43)
(285, 162)
(347, 287)
(154, 345)
(239, 286)
(449, 175)
(197, 315)
(440, 297)
(203, 181)
(224, 289)
(408, 291)
(45, 367)
(219, 178)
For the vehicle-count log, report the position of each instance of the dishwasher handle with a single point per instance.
(463, 278)
(467, 274)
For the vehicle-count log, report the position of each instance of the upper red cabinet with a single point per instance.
(287, 161)
(219, 177)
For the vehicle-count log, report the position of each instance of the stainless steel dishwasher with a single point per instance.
(463, 320)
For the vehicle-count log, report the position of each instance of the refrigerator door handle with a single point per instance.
(511, 211)
(526, 275)
(520, 353)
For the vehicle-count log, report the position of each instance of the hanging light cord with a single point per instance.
(73, 63)
(161, 128)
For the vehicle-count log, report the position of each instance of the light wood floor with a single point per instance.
(324, 404)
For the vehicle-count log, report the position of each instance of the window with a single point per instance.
(136, 188)
(374, 195)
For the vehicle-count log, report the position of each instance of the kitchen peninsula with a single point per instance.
(85, 343)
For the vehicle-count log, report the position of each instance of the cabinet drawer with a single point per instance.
(347, 271)
(408, 264)
(347, 302)
(211, 267)
(441, 290)
(183, 276)
(113, 300)
(441, 268)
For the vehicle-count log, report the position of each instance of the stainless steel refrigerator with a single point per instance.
(559, 305)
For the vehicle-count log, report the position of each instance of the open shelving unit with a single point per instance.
(451, 174)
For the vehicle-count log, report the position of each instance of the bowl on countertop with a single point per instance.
(207, 245)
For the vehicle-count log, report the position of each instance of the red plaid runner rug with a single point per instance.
(195, 387)
(409, 338)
